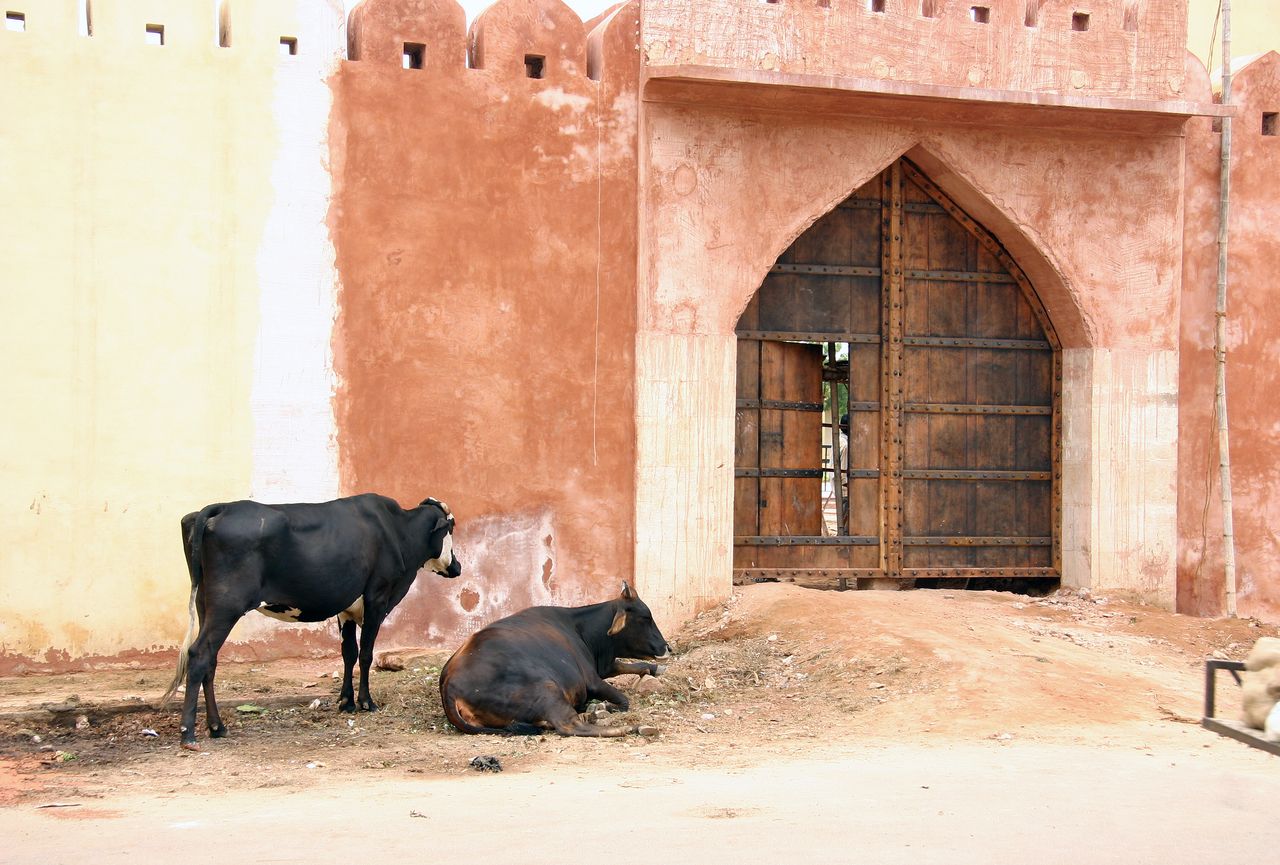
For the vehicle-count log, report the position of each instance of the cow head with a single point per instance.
(634, 633)
(443, 562)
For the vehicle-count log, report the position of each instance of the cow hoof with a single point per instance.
(190, 746)
(346, 706)
(369, 706)
(218, 732)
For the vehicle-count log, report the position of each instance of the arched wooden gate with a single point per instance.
(901, 310)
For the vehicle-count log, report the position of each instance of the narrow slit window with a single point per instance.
(534, 65)
(1080, 21)
(875, 5)
(980, 14)
(288, 46)
(928, 9)
(1031, 16)
(155, 34)
(224, 25)
(414, 53)
(15, 21)
(1269, 122)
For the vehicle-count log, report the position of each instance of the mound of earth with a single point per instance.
(777, 669)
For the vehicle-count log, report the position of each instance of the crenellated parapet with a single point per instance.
(302, 32)
(540, 39)
(429, 35)
(1121, 48)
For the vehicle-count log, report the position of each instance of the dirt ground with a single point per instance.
(778, 678)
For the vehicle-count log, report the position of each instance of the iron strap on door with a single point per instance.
(891, 369)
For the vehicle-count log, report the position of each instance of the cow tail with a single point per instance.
(193, 541)
(181, 673)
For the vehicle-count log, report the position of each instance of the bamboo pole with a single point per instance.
(1220, 328)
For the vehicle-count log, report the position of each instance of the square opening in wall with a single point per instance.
(534, 65)
(1269, 122)
(414, 53)
(875, 5)
(288, 46)
(928, 9)
(980, 14)
(15, 21)
(1080, 21)
(155, 34)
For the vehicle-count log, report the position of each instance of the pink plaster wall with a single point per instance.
(1253, 356)
(1129, 49)
(485, 235)
(1095, 218)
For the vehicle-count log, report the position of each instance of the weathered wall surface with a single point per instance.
(485, 228)
(163, 234)
(1253, 365)
(1132, 48)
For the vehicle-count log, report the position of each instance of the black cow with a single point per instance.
(537, 669)
(354, 558)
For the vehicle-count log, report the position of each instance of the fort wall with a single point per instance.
(1252, 360)
(485, 225)
(253, 249)
(167, 297)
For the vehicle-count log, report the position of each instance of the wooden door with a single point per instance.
(932, 340)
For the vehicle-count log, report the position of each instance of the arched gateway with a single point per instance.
(899, 309)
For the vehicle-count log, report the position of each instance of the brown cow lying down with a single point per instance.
(537, 669)
(1261, 689)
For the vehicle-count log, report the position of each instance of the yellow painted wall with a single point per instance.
(1255, 29)
(135, 182)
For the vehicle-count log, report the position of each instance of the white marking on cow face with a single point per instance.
(440, 564)
(353, 613)
(289, 614)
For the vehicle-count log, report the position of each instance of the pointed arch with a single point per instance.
(898, 309)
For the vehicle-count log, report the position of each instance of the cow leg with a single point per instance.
(347, 696)
(637, 668)
(602, 690)
(565, 721)
(213, 719)
(217, 729)
(201, 664)
(368, 634)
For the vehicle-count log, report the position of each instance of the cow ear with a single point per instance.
(619, 622)
(628, 593)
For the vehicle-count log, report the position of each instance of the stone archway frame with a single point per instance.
(686, 391)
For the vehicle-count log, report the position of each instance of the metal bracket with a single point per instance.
(1221, 726)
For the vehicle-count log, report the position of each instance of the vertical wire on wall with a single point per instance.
(595, 370)
(1220, 324)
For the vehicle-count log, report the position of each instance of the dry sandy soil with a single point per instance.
(990, 703)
